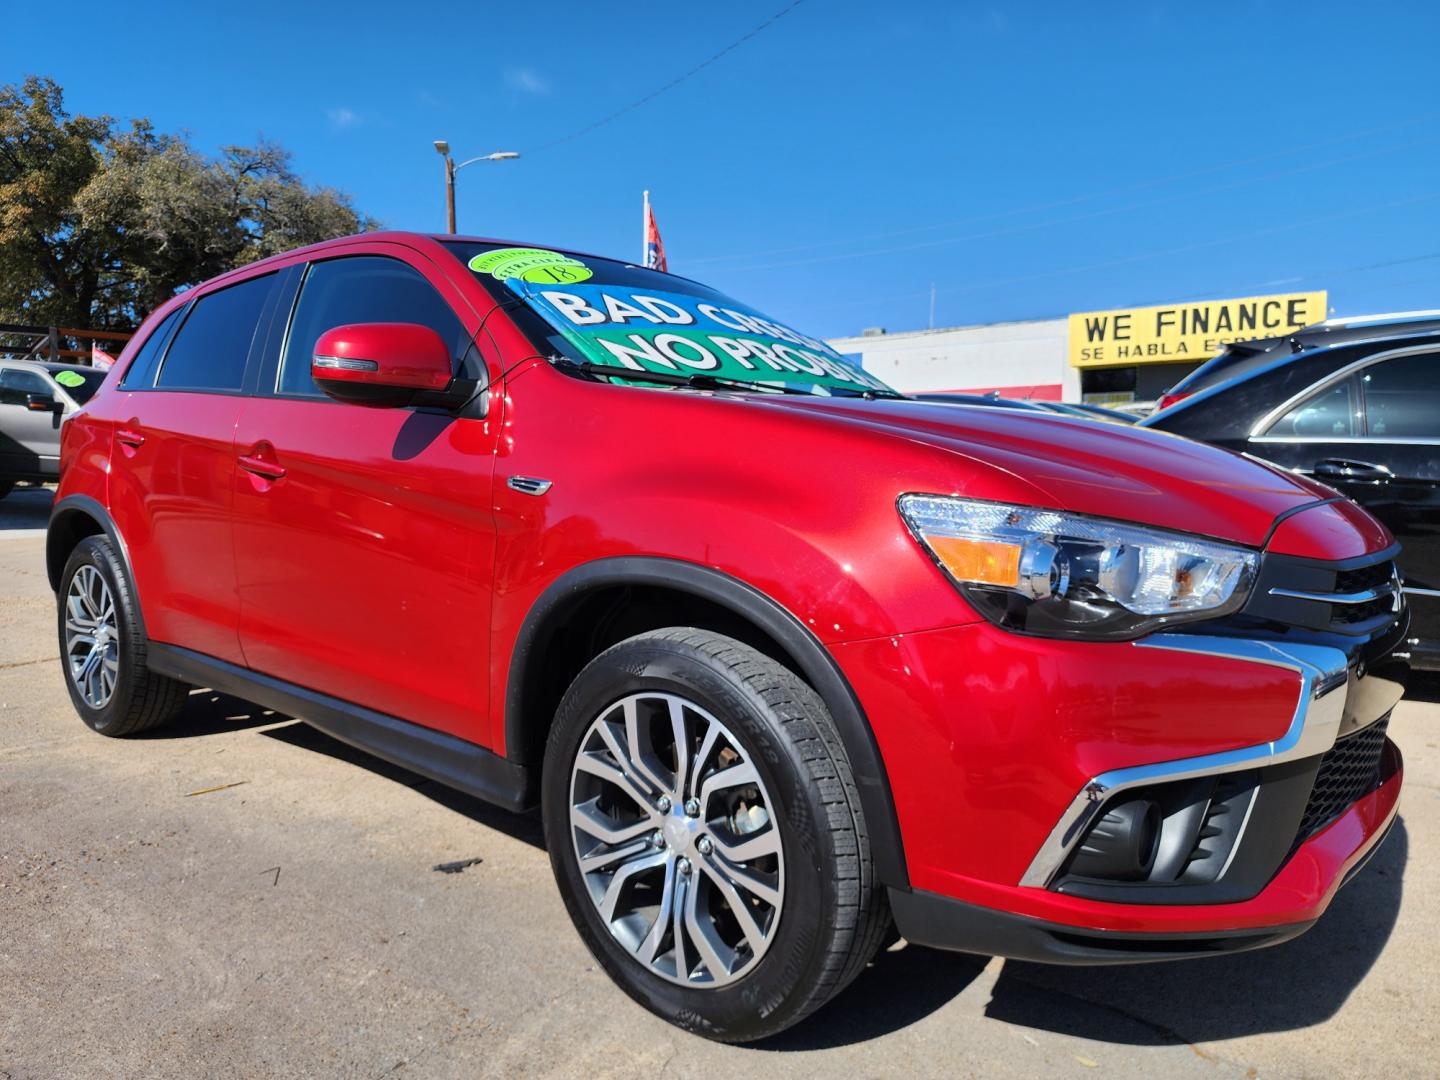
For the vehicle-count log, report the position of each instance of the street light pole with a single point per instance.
(443, 149)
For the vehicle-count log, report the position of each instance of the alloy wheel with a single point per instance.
(676, 839)
(92, 637)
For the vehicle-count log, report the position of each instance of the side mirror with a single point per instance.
(380, 364)
(43, 403)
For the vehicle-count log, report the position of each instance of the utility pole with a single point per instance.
(443, 149)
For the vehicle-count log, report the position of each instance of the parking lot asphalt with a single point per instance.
(240, 895)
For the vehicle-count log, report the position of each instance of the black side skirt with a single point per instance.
(451, 761)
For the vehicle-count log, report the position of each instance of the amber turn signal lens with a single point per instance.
(978, 562)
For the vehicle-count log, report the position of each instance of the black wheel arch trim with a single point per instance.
(816, 665)
(86, 506)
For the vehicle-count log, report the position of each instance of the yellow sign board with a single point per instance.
(1175, 333)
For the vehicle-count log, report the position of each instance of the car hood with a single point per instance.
(1086, 466)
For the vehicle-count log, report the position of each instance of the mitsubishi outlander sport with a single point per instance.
(780, 654)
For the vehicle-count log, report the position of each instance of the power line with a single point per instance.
(1123, 208)
(1206, 294)
(1182, 249)
(1185, 248)
(671, 84)
(1072, 200)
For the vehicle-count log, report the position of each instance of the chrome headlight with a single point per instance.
(1056, 574)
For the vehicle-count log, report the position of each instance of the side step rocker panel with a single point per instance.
(451, 761)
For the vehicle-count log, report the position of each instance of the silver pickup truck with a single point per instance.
(35, 399)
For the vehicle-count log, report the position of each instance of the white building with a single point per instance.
(1019, 359)
(1102, 357)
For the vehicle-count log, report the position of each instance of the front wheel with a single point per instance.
(706, 834)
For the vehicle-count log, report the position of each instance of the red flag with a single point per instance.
(654, 246)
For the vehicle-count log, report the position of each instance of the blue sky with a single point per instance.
(1029, 160)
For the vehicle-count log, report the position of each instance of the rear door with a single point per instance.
(1373, 433)
(173, 465)
(364, 536)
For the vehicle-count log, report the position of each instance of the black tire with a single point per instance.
(6, 486)
(141, 699)
(834, 916)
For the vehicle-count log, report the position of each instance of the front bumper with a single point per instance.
(1096, 933)
(1002, 750)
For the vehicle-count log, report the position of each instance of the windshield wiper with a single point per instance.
(869, 394)
(696, 380)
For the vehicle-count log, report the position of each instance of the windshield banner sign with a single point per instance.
(677, 333)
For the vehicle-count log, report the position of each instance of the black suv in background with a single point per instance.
(1355, 404)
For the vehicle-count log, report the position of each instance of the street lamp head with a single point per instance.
(504, 155)
(441, 146)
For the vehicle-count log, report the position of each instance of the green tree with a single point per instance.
(101, 222)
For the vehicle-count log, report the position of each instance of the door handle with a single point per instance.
(129, 436)
(261, 461)
(1344, 469)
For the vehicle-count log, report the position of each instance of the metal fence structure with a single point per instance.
(22, 342)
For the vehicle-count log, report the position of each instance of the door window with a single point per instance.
(361, 289)
(1330, 413)
(1402, 397)
(141, 372)
(16, 383)
(210, 351)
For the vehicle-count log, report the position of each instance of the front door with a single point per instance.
(364, 537)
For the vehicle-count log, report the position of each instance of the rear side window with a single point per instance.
(361, 289)
(1402, 397)
(1329, 413)
(141, 372)
(210, 351)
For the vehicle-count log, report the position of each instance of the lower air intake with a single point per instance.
(1348, 772)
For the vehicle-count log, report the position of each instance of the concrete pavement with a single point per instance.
(292, 924)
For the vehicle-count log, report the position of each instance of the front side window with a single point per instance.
(1329, 413)
(361, 289)
(616, 315)
(16, 384)
(210, 351)
(1402, 397)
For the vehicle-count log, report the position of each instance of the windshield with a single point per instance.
(79, 383)
(611, 314)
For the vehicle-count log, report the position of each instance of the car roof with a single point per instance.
(398, 236)
(46, 365)
(1247, 360)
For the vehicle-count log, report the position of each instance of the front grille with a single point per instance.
(1298, 592)
(1365, 577)
(1348, 772)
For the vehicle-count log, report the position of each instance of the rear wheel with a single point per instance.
(706, 834)
(102, 647)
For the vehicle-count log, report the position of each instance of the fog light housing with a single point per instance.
(1121, 845)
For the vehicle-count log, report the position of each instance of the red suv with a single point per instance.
(559, 530)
